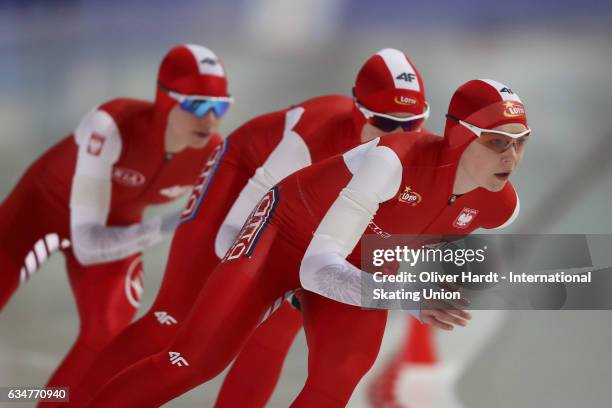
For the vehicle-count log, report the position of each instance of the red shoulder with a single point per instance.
(124, 109)
(251, 130)
(412, 146)
(320, 111)
(506, 209)
(335, 102)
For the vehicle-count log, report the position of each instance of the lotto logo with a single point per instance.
(513, 109)
(409, 196)
(254, 226)
(404, 100)
(199, 191)
(164, 318)
(176, 359)
(95, 145)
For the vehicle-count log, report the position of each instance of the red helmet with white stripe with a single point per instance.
(188, 70)
(484, 103)
(191, 69)
(388, 82)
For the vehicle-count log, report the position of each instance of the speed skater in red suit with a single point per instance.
(304, 234)
(254, 158)
(86, 195)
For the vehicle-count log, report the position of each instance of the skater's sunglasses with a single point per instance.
(201, 105)
(388, 123)
(496, 140)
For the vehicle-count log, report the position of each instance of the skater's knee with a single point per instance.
(190, 368)
(96, 337)
(346, 369)
(357, 365)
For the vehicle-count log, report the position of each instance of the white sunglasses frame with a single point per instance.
(180, 98)
(478, 131)
(368, 114)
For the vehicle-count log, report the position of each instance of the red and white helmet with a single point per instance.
(192, 70)
(388, 82)
(484, 103)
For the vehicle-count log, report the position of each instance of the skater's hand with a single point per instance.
(446, 315)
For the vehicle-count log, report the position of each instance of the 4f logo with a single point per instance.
(406, 76)
(506, 90)
(164, 318)
(176, 359)
(208, 61)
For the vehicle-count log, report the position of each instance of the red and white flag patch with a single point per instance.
(96, 144)
(465, 217)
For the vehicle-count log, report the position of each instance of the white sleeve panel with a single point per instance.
(99, 147)
(379, 175)
(324, 269)
(289, 156)
(95, 243)
(355, 157)
(90, 200)
(248, 198)
(99, 144)
(225, 238)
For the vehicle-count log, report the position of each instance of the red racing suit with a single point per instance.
(254, 157)
(96, 183)
(305, 233)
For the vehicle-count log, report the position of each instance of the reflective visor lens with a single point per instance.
(500, 143)
(389, 125)
(200, 107)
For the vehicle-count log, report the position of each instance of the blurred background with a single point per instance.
(58, 59)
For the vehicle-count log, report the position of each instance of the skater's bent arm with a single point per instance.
(324, 269)
(290, 155)
(99, 148)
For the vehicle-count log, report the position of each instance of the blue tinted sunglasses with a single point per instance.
(200, 105)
